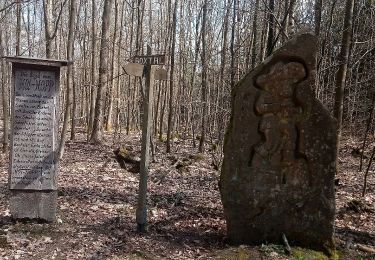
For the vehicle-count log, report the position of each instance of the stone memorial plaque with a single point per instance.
(33, 163)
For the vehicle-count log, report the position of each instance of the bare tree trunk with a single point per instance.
(69, 56)
(171, 83)
(255, 20)
(96, 136)
(118, 80)
(318, 16)
(204, 78)
(75, 95)
(368, 125)
(264, 34)
(367, 171)
(92, 81)
(292, 6)
(18, 30)
(110, 93)
(232, 51)
(5, 98)
(198, 35)
(343, 66)
(47, 6)
(271, 27)
(285, 23)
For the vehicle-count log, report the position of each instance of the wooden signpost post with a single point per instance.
(33, 154)
(144, 67)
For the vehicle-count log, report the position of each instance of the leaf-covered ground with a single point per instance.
(97, 202)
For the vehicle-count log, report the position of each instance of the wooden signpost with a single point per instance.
(33, 154)
(145, 69)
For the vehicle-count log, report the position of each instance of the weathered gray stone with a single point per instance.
(279, 154)
(33, 155)
(33, 163)
(33, 204)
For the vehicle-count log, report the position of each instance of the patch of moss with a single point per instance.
(307, 254)
(197, 157)
(123, 152)
(162, 139)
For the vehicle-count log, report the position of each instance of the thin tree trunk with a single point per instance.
(18, 30)
(232, 51)
(343, 66)
(204, 78)
(171, 83)
(5, 98)
(368, 125)
(75, 97)
(367, 171)
(96, 136)
(109, 123)
(69, 76)
(118, 80)
(255, 34)
(50, 30)
(318, 16)
(47, 6)
(271, 27)
(198, 35)
(92, 82)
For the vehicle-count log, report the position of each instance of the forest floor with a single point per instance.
(97, 202)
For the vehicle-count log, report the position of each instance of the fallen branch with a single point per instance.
(366, 249)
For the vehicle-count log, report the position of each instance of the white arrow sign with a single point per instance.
(134, 69)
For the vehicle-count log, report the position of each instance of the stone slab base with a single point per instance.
(33, 204)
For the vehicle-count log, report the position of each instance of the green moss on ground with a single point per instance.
(306, 254)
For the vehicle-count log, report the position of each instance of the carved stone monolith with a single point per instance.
(279, 154)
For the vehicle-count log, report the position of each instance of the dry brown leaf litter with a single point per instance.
(97, 200)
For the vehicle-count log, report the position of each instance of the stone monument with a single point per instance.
(33, 155)
(279, 154)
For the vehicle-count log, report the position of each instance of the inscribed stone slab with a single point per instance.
(279, 154)
(33, 143)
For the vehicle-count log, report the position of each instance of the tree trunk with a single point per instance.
(271, 27)
(171, 83)
(5, 98)
(69, 76)
(255, 20)
(232, 51)
(47, 7)
(110, 93)
(92, 81)
(343, 66)
(18, 30)
(204, 78)
(318, 16)
(96, 136)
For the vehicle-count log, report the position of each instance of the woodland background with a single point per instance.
(209, 45)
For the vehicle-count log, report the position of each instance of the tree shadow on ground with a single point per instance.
(357, 236)
(108, 195)
(122, 232)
